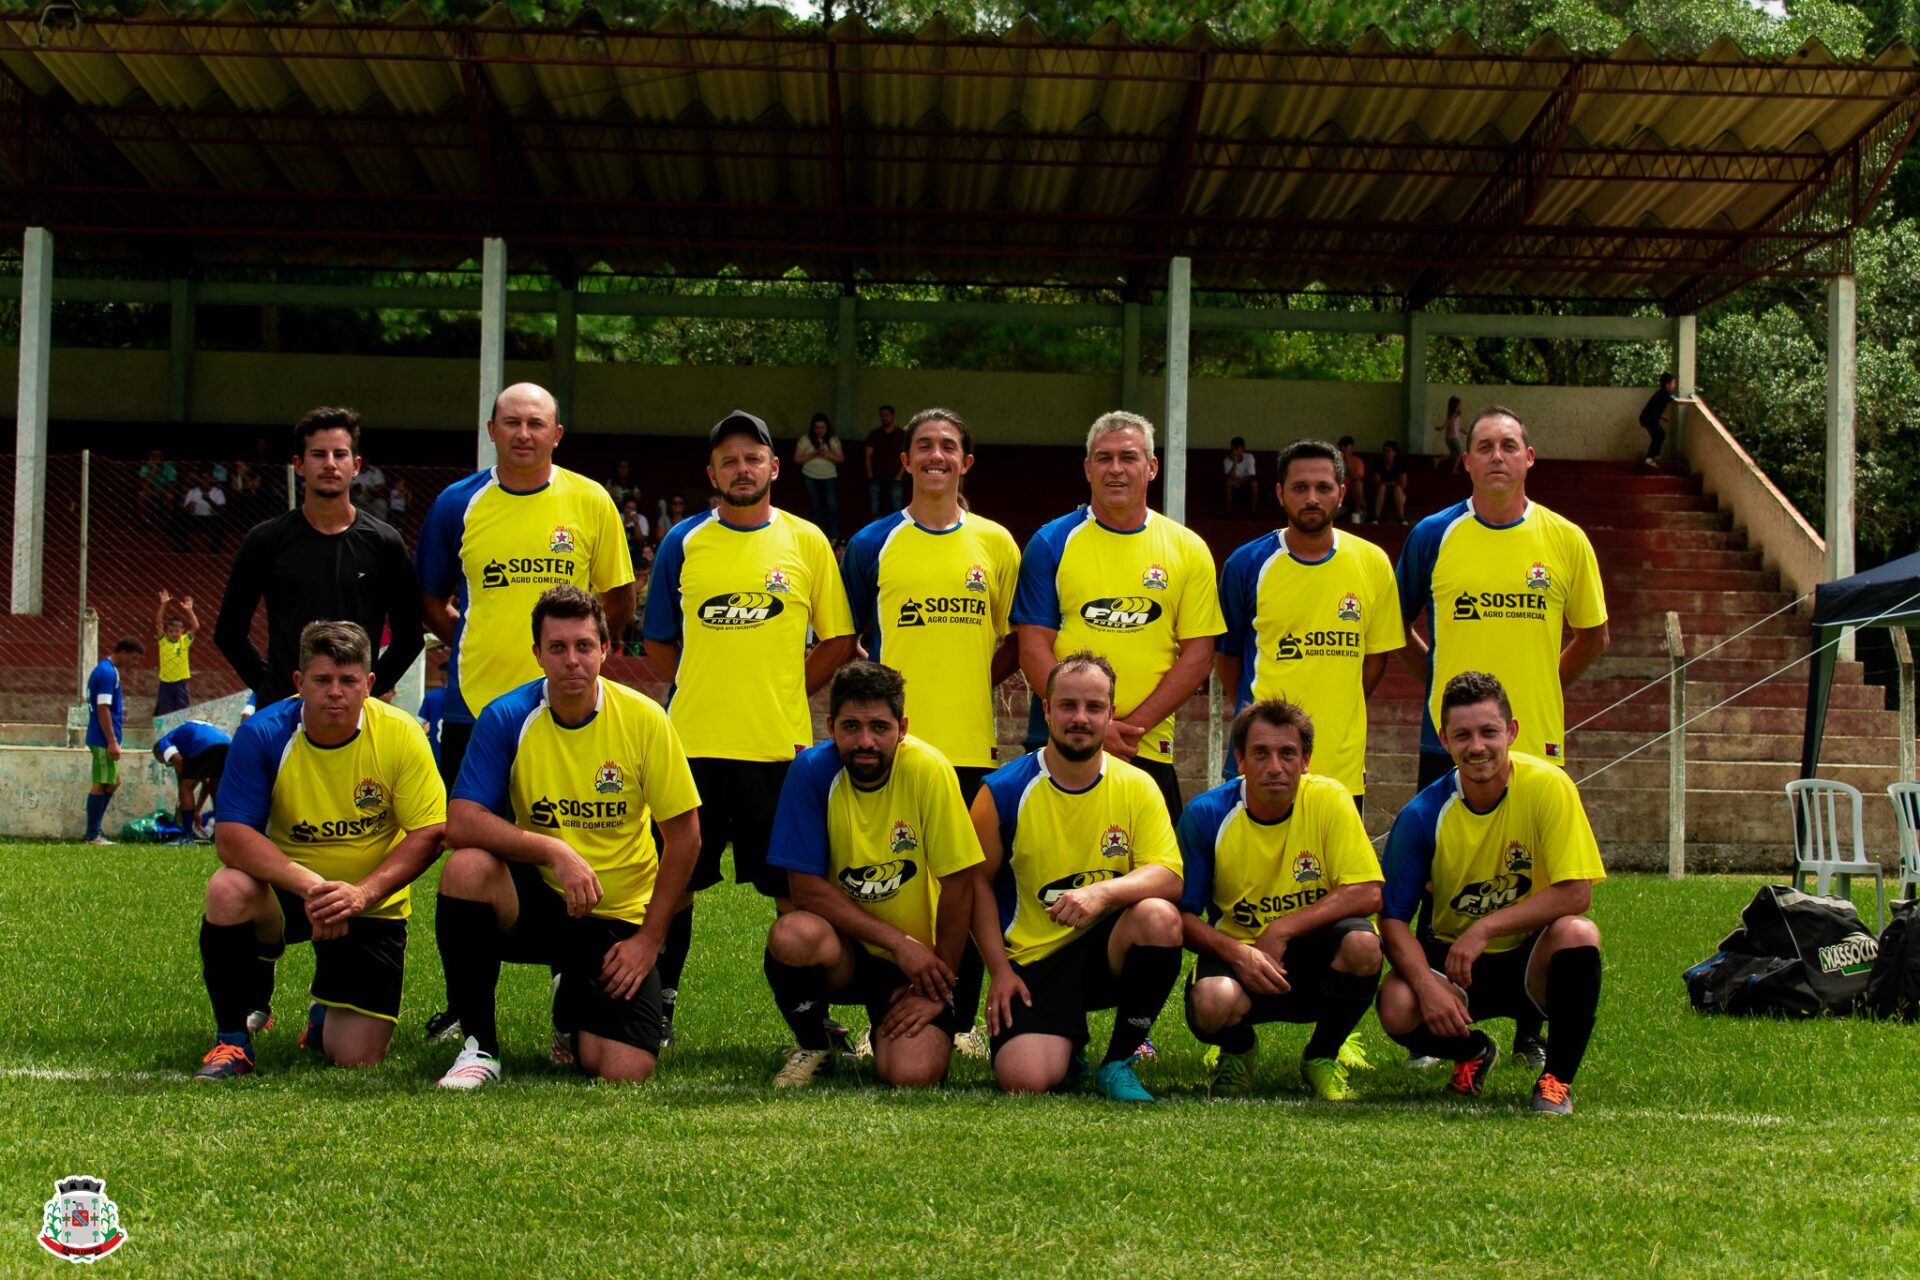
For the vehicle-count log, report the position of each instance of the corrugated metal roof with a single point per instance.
(1016, 159)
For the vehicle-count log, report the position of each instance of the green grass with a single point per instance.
(1700, 1147)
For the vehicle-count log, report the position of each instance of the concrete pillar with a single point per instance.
(846, 369)
(493, 338)
(1413, 384)
(566, 344)
(30, 438)
(1130, 356)
(1174, 419)
(179, 348)
(1685, 348)
(1840, 439)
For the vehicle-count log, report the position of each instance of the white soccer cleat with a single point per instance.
(972, 1044)
(471, 1069)
(803, 1067)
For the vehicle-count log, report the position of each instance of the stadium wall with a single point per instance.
(234, 388)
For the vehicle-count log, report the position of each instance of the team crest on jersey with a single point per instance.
(562, 539)
(368, 795)
(1154, 578)
(902, 840)
(976, 578)
(1114, 843)
(80, 1224)
(1306, 867)
(1538, 578)
(608, 778)
(1349, 607)
(777, 580)
(1517, 857)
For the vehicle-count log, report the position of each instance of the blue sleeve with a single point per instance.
(1036, 601)
(436, 558)
(799, 838)
(1414, 574)
(246, 786)
(1409, 861)
(488, 766)
(860, 570)
(1236, 599)
(165, 740)
(1199, 822)
(1006, 784)
(662, 623)
(99, 682)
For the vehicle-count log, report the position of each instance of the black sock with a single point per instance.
(228, 959)
(469, 936)
(1345, 1000)
(1528, 1026)
(260, 984)
(1422, 1043)
(1573, 996)
(801, 993)
(673, 961)
(1147, 976)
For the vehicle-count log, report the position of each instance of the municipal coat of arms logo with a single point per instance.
(976, 578)
(1155, 578)
(608, 778)
(1517, 857)
(562, 539)
(1537, 577)
(1114, 843)
(368, 795)
(81, 1224)
(1349, 607)
(1306, 867)
(777, 580)
(902, 840)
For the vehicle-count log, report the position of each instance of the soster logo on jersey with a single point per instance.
(939, 610)
(608, 779)
(740, 609)
(1120, 613)
(580, 815)
(305, 832)
(368, 794)
(878, 882)
(1114, 843)
(521, 571)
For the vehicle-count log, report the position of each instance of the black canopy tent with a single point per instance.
(1888, 596)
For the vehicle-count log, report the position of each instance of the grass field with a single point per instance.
(1699, 1147)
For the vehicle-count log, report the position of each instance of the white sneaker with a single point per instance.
(972, 1044)
(804, 1066)
(1423, 1063)
(97, 840)
(471, 1069)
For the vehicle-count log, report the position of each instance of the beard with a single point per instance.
(1310, 522)
(730, 498)
(1072, 753)
(868, 774)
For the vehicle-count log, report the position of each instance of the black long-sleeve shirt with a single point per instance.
(362, 575)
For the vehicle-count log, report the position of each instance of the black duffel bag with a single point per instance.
(1794, 955)
(1893, 988)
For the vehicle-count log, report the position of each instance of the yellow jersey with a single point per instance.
(173, 663)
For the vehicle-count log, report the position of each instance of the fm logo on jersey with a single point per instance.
(368, 794)
(740, 609)
(608, 779)
(1114, 843)
(1051, 893)
(1154, 579)
(1349, 610)
(902, 839)
(878, 882)
(562, 539)
(1488, 896)
(777, 581)
(1120, 613)
(1306, 867)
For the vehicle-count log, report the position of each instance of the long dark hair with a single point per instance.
(823, 420)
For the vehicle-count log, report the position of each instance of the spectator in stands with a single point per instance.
(369, 479)
(324, 560)
(819, 455)
(399, 498)
(676, 511)
(1354, 505)
(639, 532)
(1653, 418)
(174, 633)
(1241, 474)
(375, 501)
(839, 550)
(205, 506)
(106, 724)
(1450, 428)
(244, 493)
(1390, 484)
(157, 478)
(886, 466)
(621, 486)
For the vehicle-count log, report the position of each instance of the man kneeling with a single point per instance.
(329, 808)
(880, 856)
(1075, 909)
(1280, 880)
(565, 776)
(1506, 846)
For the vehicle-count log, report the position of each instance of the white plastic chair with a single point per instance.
(1906, 813)
(1817, 849)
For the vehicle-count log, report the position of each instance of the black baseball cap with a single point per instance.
(739, 422)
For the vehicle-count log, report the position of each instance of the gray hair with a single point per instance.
(1119, 420)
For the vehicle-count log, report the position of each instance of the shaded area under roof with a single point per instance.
(321, 140)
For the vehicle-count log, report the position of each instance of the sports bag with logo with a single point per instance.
(1794, 955)
(1893, 988)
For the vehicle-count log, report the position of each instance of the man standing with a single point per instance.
(886, 475)
(733, 594)
(1506, 846)
(1280, 880)
(197, 753)
(1311, 614)
(555, 861)
(880, 856)
(1074, 910)
(106, 720)
(932, 588)
(495, 541)
(1241, 474)
(329, 810)
(324, 560)
(174, 634)
(1653, 418)
(1353, 503)
(1132, 586)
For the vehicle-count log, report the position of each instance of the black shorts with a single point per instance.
(207, 766)
(1163, 774)
(971, 776)
(454, 736)
(876, 978)
(581, 1002)
(538, 931)
(361, 972)
(1309, 962)
(737, 802)
(1065, 987)
(1499, 987)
